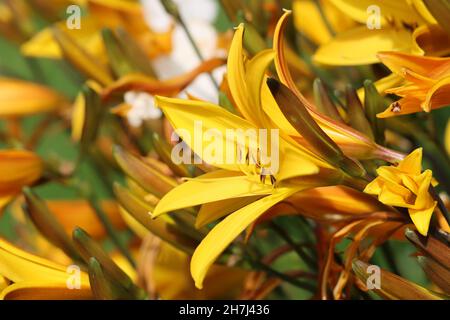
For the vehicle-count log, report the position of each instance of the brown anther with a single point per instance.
(272, 179)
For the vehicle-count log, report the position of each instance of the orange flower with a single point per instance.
(17, 169)
(426, 87)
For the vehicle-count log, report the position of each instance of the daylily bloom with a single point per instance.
(33, 277)
(21, 98)
(426, 87)
(101, 14)
(406, 186)
(402, 25)
(17, 169)
(236, 182)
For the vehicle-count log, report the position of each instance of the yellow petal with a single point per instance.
(41, 290)
(20, 98)
(309, 21)
(210, 212)
(359, 46)
(191, 116)
(18, 169)
(205, 190)
(227, 230)
(19, 266)
(447, 137)
(399, 10)
(407, 105)
(438, 96)
(412, 163)
(421, 218)
(426, 66)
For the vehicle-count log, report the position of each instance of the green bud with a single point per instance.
(47, 224)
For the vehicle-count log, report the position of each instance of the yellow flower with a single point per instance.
(426, 87)
(405, 186)
(17, 169)
(20, 98)
(403, 25)
(101, 14)
(32, 277)
(235, 182)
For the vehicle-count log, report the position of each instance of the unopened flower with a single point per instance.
(406, 186)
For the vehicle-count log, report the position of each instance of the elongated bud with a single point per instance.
(430, 246)
(373, 104)
(89, 248)
(440, 10)
(436, 273)
(323, 101)
(392, 286)
(147, 177)
(81, 59)
(102, 287)
(134, 52)
(164, 227)
(355, 113)
(87, 116)
(164, 150)
(119, 62)
(47, 224)
(299, 117)
(171, 8)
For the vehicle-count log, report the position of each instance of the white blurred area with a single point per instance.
(199, 16)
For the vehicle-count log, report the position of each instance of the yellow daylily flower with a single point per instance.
(33, 277)
(404, 26)
(238, 180)
(17, 169)
(101, 14)
(427, 83)
(405, 186)
(21, 98)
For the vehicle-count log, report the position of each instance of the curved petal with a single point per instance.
(204, 190)
(19, 266)
(359, 46)
(228, 229)
(38, 290)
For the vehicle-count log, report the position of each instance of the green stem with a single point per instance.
(274, 273)
(299, 250)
